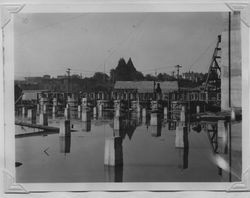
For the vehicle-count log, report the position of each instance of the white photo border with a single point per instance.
(7, 88)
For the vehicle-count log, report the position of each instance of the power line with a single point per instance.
(204, 52)
(114, 49)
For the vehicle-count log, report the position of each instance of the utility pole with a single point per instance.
(155, 84)
(178, 70)
(68, 72)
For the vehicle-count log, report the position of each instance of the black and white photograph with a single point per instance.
(128, 97)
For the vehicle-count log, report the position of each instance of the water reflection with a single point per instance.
(124, 126)
(182, 144)
(180, 139)
(155, 130)
(113, 173)
(86, 126)
(65, 142)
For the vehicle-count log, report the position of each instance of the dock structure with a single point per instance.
(37, 126)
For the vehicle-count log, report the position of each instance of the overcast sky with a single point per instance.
(87, 42)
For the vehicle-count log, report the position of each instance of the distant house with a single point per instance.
(144, 90)
(30, 95)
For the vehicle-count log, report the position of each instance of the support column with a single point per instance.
(64, 128)
(43, 119)
(154, 119)
(37, 108)
(180, 135)
(67, 113)
(197, 109)
(65, 142)
(94, 111)
(183, 114)
(165, 111)
(45, 108)
(23, 111)
(117, 107)
(33, 116)
(85, 115)
(54, 106)
(113, 154)
(41, 105)
(29, 113)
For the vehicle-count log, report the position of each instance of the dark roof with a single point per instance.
(146, 86)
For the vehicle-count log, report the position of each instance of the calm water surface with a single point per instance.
(149, 154)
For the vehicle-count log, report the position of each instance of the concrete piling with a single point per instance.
(86, 126)
(154, 119)
(117, 125)
(84, 103)
(221, 128)
(41, 105)
(23, 111)
(144, 113)
(100, 109)
(29, 113)
(54, 110)
(94, 112)
(79, 108)
(156, 130)
(64, 142)
(64, 128)
(67, 113)
(197, 109)
(54, 102)
(33, 116)
(113, 173)
(183, 114)
(44, 108)
(138, 107)
(233, 116)
(37, 108)
(113, 153)
(180, 134)
(222, 131)
(85, 115)
(165, 112)
(43, 119)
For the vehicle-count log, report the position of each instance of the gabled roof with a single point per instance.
(146, 86)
